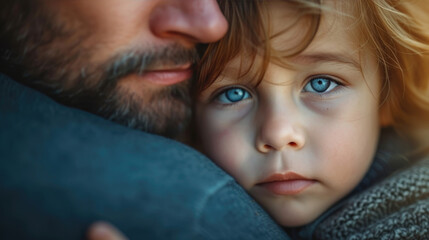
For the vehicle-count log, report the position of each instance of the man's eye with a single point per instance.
(320, 85)
(232, 95)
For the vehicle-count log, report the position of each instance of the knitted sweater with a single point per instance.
(396, 208)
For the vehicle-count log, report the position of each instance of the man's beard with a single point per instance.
(164, 110)
(56, 63)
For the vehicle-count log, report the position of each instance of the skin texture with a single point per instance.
(284, 126)
(128, 61)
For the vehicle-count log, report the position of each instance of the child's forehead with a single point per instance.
(336, 39)
(238, 70)
(287, 28)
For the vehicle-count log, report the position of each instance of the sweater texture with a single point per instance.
(396, 208)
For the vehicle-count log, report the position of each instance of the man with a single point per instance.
(128, 61)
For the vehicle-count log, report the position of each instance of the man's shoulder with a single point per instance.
(34, 128)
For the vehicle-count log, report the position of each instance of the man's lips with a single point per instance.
(168, 75)
(289, 183)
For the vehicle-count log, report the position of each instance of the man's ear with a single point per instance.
(385, 116)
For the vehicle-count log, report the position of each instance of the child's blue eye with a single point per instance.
(232, 95)
(320, 85)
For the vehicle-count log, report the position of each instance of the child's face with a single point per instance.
(303, 138)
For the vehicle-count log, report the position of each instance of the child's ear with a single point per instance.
(385, 116)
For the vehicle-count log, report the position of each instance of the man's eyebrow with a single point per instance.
(327, 57)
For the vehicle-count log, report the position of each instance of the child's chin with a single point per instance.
(295, 220)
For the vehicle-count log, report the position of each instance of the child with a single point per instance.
(292, 101)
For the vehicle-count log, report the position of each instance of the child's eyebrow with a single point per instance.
(327, 57)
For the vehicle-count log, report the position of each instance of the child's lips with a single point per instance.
(289, 183)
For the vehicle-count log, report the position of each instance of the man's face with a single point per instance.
(126, 60)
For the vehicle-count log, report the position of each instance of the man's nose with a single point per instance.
(193, 21)
(278, 132)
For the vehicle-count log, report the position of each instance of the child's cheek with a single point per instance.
(225, 138)
(229, 149)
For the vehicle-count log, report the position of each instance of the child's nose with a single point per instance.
(278, 133)
(194, 21)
